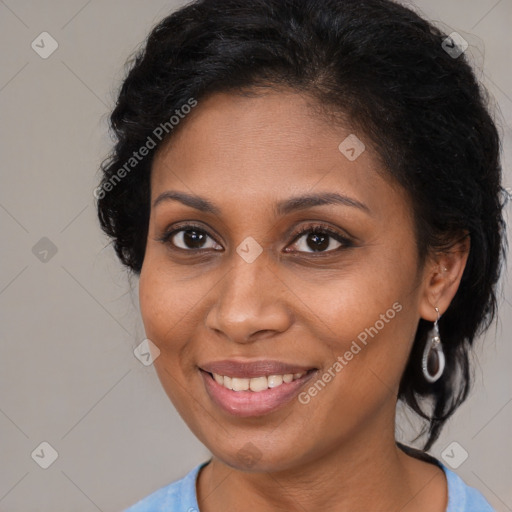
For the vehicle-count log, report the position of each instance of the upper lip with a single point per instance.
(251, 369)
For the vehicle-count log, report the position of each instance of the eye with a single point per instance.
(310, 239)
(319, 239)
(190, 238)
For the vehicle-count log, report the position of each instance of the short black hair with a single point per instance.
(387, 70)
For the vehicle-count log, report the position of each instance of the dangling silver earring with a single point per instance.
(433, 360)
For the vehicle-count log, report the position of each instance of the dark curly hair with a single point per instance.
(381, 66)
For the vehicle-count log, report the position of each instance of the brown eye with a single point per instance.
(316, 242)
(320, 240)
(190, 238)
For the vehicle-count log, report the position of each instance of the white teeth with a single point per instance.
(239, 384)
(256, 384)
(274, 381)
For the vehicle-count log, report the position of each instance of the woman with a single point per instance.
(309, 191)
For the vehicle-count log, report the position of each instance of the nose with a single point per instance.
(250, 303)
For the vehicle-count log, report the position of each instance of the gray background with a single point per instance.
(69, 323)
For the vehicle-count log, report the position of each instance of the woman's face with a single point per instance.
(318, 325)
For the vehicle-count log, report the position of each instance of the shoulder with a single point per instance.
(179, 495)
(462, 497)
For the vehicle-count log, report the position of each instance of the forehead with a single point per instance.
(233, 125)
(266, 146)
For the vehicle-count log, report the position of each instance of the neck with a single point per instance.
(365, 473)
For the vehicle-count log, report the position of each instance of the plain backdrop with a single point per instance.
(69, 315)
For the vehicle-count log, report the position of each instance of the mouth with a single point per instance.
(253, 389)
(255, 384)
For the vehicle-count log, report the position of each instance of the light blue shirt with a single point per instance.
(180, 496)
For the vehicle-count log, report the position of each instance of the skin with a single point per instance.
(338, 452)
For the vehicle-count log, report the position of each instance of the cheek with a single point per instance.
(165, 304)
(164, 301)
(362, 371)
(351, 301)
(156, 305)
(368, 317)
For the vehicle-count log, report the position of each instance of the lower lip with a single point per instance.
(251, 403)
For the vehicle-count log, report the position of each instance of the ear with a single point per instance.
(441, 278)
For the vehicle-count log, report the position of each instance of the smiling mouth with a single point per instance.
(253, 393)
(256, 384)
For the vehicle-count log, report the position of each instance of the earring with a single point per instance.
(433, 361)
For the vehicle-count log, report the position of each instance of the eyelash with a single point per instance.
(324, 230)
(311, 228)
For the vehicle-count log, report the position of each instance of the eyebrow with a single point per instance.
(193, 201)
(310, 200)
(282, 208)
